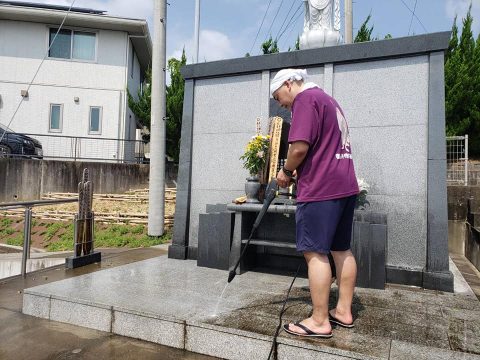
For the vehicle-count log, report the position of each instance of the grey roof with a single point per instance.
(51, 6)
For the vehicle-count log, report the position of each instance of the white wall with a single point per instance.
(133, 84)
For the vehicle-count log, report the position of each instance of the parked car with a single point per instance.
(13, 144)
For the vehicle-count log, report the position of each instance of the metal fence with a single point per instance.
(457, 160)
(27, 224)
(59, 147)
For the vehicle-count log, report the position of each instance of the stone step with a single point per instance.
(177, 304)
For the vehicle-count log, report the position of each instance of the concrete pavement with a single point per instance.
(27, 337)
(176, 303)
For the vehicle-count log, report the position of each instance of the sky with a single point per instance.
(229, 28)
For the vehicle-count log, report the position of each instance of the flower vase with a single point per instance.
(252, 189)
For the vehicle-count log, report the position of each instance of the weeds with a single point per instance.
(16, 241)
(53, 228)
(59, 235)
(5, 222)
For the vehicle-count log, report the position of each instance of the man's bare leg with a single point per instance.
(346, 277)
(319, 277)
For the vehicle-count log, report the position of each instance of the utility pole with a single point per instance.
(197, 30)
(156, 198)
(348, 22)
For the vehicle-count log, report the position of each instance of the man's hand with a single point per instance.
(283, 180)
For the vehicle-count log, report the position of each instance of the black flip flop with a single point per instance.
(308, 332)
(338, 322)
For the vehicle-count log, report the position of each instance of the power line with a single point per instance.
(416, 17)
(293, 27)
(258, 32)
(38, 69)
(413, 14)
(286, 16)
(274, 18)
(291, 21)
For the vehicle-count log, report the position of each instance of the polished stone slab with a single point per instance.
(178, 304)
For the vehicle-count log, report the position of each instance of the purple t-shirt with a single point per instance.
(327, 171)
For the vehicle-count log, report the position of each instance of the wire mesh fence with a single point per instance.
(59, 147)
(457, 160)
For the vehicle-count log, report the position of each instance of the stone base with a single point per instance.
(439, 280)
(72, 262)
(192, 253)
(442, 281)
(178, 252)
(404, 276)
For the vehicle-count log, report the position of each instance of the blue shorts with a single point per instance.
(325, 226)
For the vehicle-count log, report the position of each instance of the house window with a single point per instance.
(56, 118)
(69, 44)
(62, 46)
(95, 123)
(83, 45)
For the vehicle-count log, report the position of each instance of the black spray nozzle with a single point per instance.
(270, 194)
(231, 275)
(271, 191)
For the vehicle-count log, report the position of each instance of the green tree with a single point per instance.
(461, 84)
(141, 105)
(474, 133)
(453, 44)
(175, 106)
(270, 46)
(365, 32)
(455, 80)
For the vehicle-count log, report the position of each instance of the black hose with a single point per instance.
(269, 196)
(273, 349)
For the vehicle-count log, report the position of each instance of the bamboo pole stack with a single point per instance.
(134, 197)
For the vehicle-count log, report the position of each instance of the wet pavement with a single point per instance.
(178, 304)
(27, 337)
(469, 272)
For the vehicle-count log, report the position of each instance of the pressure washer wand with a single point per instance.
(270, 194)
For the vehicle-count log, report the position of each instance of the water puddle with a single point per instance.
(12, 267)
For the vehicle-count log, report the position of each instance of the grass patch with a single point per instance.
(127, 236)
(53, 228)
(5, 222)
(5, 227)
(65, 241)
(112, 236)
(16, 240)
(6, 232)
(139, 229)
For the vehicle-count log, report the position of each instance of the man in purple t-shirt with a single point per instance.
(320, 153)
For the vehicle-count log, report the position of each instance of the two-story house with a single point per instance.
(80, 80)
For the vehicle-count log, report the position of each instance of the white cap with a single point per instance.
(284, 75)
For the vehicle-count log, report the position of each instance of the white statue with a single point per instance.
(322, 24)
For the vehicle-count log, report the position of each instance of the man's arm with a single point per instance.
(296, 154)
